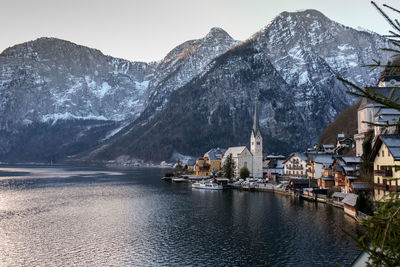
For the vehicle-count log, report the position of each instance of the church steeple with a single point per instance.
(256, 146)
(256, 127)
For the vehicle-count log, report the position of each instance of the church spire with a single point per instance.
(256, 127)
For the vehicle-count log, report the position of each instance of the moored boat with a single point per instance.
(178, 179)
(207, 186)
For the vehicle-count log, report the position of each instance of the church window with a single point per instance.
(258, 143)
(245, 164)
(252, 143)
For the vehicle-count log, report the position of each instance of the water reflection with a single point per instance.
(66, 216)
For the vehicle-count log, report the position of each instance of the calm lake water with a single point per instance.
(100, 217)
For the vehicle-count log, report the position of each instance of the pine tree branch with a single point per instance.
(392, 8)
(385, 16)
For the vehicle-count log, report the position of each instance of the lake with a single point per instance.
(63, 216)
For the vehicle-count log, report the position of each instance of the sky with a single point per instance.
(146, 30)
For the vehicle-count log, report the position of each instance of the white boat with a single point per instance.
(207, 185)
(178, 179)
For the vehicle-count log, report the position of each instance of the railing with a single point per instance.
(387, 187)
(295, 167)
(384, 173)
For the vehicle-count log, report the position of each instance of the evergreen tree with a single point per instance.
(229, 167)
(244, 172)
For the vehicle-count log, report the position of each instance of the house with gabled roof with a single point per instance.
(386, 157)
(317, 163)
(295, 165)
(346, 171)
(210, 163)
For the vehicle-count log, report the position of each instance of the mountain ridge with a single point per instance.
(199, 96)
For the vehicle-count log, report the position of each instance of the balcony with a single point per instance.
(290, 167)
(386, 187)
(383, 173)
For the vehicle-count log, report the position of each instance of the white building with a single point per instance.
(295, 165)
(252, 159)
(256, 145)
(242, 158)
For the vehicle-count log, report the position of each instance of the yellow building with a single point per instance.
(386, 158)
(210, 163)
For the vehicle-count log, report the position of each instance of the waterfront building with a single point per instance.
(346, 171)
(326, 180)
(273, 166)
(386, 157)
(317, 163)
(210, 163)
(349, 204)
(295, 165)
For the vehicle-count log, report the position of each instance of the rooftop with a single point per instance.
(350, 199)
(339, 195)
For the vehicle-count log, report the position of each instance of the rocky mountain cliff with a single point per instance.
(292, 64)
(49, 84)
(59, 99)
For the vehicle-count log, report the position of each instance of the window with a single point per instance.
(378, 154)
(245, 164)
(383, 153)
(258, 143)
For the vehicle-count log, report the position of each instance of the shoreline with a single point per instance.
(359, 218)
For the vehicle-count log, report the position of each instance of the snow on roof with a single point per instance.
(339, 195)
(216, 153)
(393, 144)
(328, 146)
(360, 185)
(234, 151)
(350, 199)
(325, 159)
(302, 156)
(350, 168)
(387, 111)
(348, 160)
(385, 91)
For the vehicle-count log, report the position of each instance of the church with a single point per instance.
(370, 111)
(253, 158)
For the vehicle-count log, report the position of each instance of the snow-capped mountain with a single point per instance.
(51, 83)
(292, 64)
(59, 99)
(183, 63)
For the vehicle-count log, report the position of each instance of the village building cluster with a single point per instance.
(324, 167)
